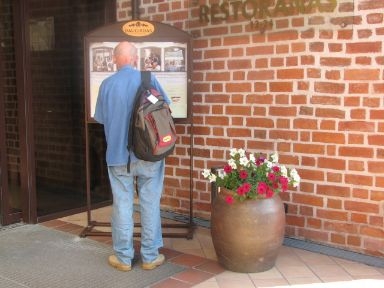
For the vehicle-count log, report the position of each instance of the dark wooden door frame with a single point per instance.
(7, 215)
(24, 95)
(4, 195)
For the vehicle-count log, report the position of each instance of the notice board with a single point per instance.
(163, 49)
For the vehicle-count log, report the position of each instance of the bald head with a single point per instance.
(125, 53)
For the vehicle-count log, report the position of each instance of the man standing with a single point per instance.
(114, 109)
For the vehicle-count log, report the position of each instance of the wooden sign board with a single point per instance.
(162, 49)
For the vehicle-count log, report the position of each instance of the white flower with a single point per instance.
(284, 171)
(212, 178)
(275, 157)
(268, 163)
(232, 152)
(206, 173)
(252, 158)
(220, 173)
(243, 161)
(232, 163)
(295, 176)
(293, 172)
(241, 153)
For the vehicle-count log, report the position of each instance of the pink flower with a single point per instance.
(227, 169)
(229, 199)
(259, 161)
(284, 183)
(276, 169)
(240, 190)
(269, 193)
(247, 187)
(283, 180)
(243, 174)
(275, 185)
(271, 177)
(262, 188)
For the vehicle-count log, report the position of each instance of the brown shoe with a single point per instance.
(155, 263)
(114, 262)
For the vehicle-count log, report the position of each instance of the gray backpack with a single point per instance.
(152, 134)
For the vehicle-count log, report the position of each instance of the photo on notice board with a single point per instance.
(167, 60)
(150, 59)
(174, 59)
(102, 59)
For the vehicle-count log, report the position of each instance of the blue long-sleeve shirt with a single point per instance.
(114, 107)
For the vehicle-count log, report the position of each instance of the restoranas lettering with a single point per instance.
(261, 9)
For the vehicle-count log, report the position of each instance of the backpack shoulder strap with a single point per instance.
(144, 82)
(146, 79)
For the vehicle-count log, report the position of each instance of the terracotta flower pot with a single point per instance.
(247, 236)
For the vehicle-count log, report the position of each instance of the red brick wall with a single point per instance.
(308, 88)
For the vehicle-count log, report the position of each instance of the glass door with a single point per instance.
(56, 32)
(42, 170)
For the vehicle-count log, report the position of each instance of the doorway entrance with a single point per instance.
(42, 136)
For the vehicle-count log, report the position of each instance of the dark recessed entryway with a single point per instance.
(42, 109)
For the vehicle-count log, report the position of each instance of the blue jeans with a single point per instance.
(150, 177)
